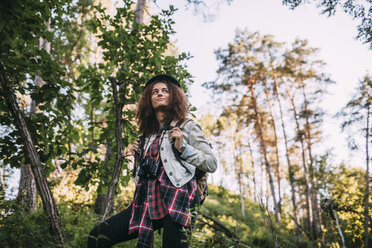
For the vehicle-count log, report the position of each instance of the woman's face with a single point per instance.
(160, 96)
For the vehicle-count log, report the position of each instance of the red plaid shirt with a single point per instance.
(155, 198)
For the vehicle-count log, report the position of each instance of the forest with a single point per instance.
(71, 73)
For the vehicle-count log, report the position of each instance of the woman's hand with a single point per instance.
(135, 147)
(176, 137)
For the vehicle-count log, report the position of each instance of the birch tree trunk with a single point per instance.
(339, 229)
(140, 9)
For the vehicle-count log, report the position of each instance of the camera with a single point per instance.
(148, 168)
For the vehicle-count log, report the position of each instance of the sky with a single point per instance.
(347, 59)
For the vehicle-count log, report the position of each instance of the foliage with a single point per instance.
(360, 10)
(19, 228)
(250, 231)
(221, 204)
(255, 71)
(346, 197)
(355, 112)
(21, 61)
(131, 54)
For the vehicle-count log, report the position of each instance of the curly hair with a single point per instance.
(177, 109)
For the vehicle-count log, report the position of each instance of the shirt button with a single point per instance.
(177, 184)
(165, 160)
(170, 173)
(162, 149)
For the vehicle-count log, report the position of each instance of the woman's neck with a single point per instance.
(160, 116)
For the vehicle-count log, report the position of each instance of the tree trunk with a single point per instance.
(290, 172)
(366, 192)
(49, 204)
(253, 168)
(27, 189)
(140, 9)
(339, 229)
(263, 149)
(27, 186)
(306, 176)
(317, 219)
(277, 167)
(3, 186)
(119, 153)
(99, 205)
(237, 165)
(118, 129)
(241, 190)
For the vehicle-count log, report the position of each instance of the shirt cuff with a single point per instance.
(187, 152)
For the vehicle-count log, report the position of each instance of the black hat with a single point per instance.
(163, 78)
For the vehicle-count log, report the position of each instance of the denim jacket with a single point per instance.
(197, 154)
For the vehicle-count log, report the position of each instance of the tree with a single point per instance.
(21, 60)
(287, 152)
(356, 112)
(243, 70)
(309, 82)
(132, 53)
(360, 10)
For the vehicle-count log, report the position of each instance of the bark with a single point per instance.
(277, 167)
(306, 176)
(49, 205)
(119, 153)
(253, 170)
(290, 172)
(140, 9)
(27, 186)
(241, 190)
(366, 192)
(99, 206)
(27, 189)
(237, 167)
(218, 226)
(263, 148)
(118, 129)
(339, 229)
(317, 220)
(3, 186)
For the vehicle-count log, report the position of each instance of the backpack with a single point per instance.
(200, 176)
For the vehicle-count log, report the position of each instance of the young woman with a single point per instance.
(165, 181)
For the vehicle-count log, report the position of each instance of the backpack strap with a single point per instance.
(181, 123)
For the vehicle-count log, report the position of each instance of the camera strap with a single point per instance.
(141, 154)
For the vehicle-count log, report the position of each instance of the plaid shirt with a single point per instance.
(155, 198)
